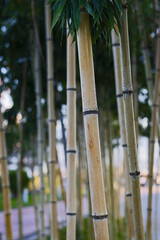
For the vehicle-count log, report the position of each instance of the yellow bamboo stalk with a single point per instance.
(90, 113)
(51, 124)
(120, 107)
(39, 140)
(71, 140)
(130, 126)
(5, 181)
(152, 143)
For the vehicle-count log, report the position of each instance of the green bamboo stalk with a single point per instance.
(39, 139)
(5, 181)
(51, 124)
(152, 143)
(90, 113)
(71, 140)
(130, 126)
(20, 163)
(121, 117)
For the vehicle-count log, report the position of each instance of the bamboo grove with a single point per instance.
(80, 95)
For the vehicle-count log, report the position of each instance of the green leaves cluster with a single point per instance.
(103, 15)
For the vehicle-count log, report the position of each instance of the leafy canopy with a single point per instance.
(103, 15)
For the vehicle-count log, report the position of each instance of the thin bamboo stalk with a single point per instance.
(152, 143)
(130, 126)
(120, 107)
(90, 113)
(71, 140)
(51, 124)
(5, 181)
(20, 163)
(39, 139)
(111, 176)
(135, 88)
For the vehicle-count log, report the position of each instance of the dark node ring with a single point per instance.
(128, 91)
(100, 217)
(3, 158)
(115, 44)
(134, 174)
(124, 145)
(53, 161)
(71, 214)
(157, 70)
(71, 89)
(2, 129)
(7, 214)
(129, 195)
(119, 95)
(5, 186)
(149, 209)
(41, 211)
(39, 164)
(50, 79)
(53, 202)
(42, 188)
(49, 39)
(155, 105)
(152, 141)
(52, 120)
(71, 151)
(149, 79)
(150, 176)
(90, 112)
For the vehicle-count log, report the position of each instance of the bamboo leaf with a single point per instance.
(58, 13)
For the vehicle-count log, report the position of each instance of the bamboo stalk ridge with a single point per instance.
(39, 140)
(51, 124)
(120, 107)
(152, 142)
(130, 126)
(71, 139)
(5, 181)
(90, 113)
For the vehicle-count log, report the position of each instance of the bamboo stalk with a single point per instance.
(90, 113)
(111, 177)
(121, 117)
(5, 181)
(39, 139)
(20, 163)
(71, 140)
(130, 126)
(51, 124)
(152, 142)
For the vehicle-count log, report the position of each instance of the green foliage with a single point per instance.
(103, 15)
(13, 181)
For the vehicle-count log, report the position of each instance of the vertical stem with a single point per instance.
(121, 117)
(51, 124)
(39, 139)
(152, 142)
(20, 163)
(130, 126)
(90, 113)
(5, 181)
(71, 140)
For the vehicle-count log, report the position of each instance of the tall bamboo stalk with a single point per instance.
(51, 124)
(111, 175)
(152, 142)
(90, 113)
(120, 107)
(5, 181)
(20, 163)
(39, 139)
(71, 140)
(130, 126)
